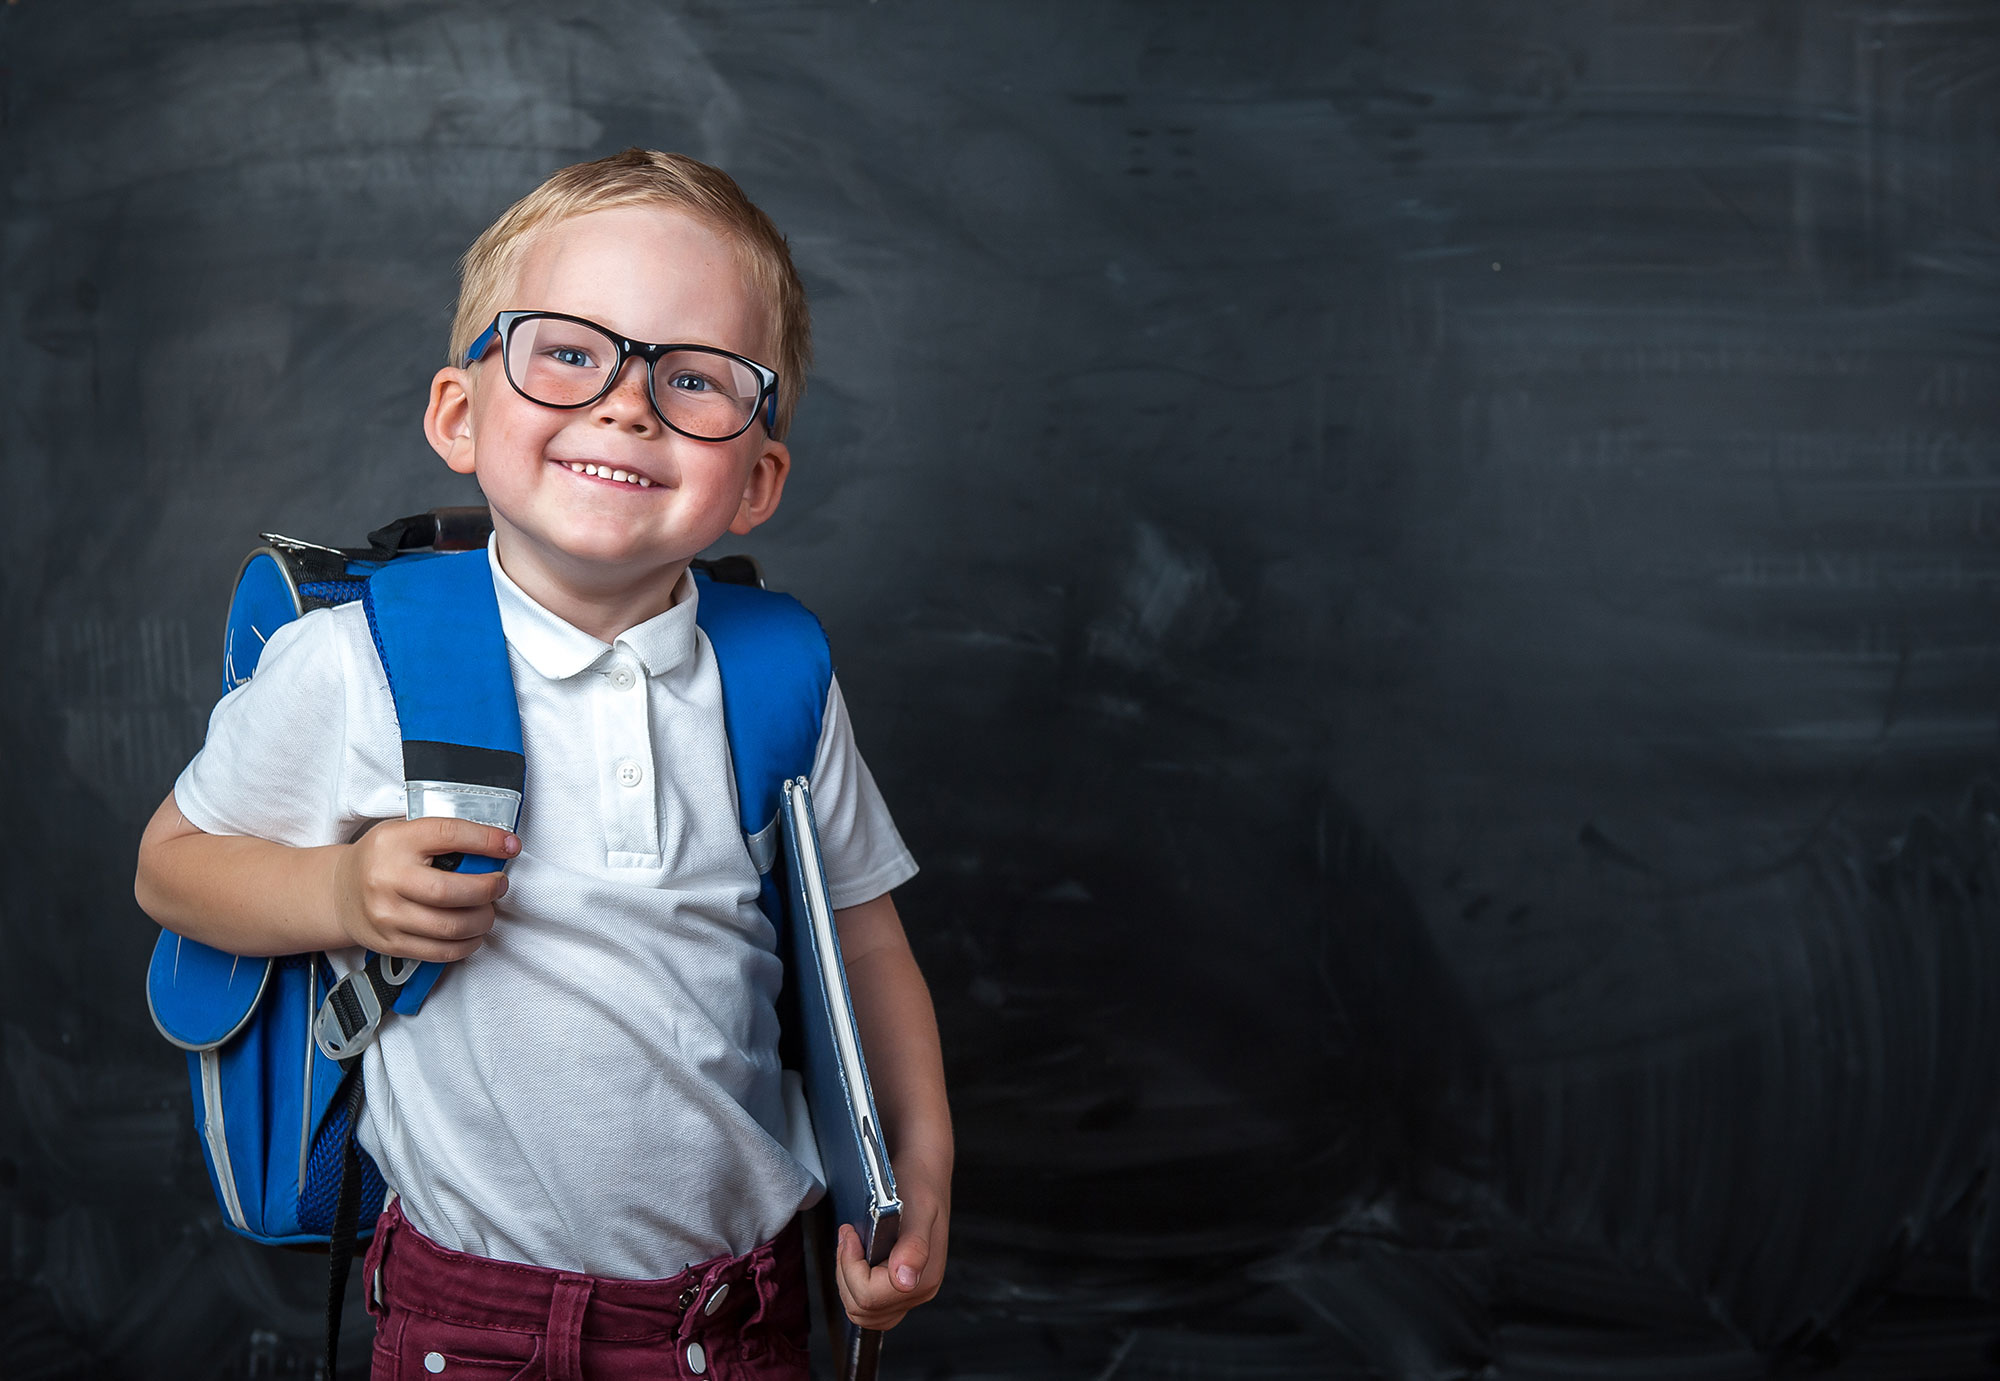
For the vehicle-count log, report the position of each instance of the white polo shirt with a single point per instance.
(596, 1089)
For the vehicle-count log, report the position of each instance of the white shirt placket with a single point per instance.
(626, 791)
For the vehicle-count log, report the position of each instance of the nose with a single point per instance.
(626, 403)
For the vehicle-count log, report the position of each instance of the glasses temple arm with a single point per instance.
(479, 347)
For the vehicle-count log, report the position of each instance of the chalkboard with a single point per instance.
(1420, 577)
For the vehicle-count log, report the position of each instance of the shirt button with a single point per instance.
(623, 678)
(630, 773)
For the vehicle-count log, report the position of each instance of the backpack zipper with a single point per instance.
(218, 1140)
(306, 1087)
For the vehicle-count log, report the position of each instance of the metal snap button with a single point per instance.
(688, 1296)
(697, 1359)
(715, 1298)
(630, 773)
(434, 1362)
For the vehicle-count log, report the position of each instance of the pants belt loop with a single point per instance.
(760, 1276)
(566, 1306)
(371, 1264)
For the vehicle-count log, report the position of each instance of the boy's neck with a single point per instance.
(602, 609)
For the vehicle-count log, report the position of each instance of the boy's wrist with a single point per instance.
(311, 917)
(337, 878)
(930, 1173)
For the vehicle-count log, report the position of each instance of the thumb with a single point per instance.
(907, 1261)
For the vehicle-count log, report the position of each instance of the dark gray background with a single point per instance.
(1419, 573)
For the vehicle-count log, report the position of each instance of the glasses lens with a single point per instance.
(560, 363)
(706, 393)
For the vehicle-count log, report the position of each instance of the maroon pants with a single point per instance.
(441, 1313)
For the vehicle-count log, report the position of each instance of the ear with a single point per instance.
(448, 418)
(764, 487)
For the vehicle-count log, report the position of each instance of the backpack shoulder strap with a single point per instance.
(776, 670)
(436, 626)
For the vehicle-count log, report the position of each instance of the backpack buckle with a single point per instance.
(349, 1018)
(396, 972)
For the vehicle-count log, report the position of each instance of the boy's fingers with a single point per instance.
(873, 1296)
(846, 1257)
(430, 951)
(421, 924)
(906, 1263)
(433, 888)
(443, 835)
(416, 931)
(459, 923)
(853, 1273)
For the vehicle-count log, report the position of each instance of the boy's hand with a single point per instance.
(879, 1296)
(389, 898)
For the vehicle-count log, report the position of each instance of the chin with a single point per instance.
(612, 547)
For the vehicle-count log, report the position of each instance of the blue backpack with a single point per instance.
(273, 1045)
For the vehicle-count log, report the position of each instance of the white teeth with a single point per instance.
(605, 472)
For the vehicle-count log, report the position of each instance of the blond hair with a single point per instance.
(646, 177)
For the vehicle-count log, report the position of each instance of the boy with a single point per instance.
(589, 1100)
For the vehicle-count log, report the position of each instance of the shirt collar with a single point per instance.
(558, 650)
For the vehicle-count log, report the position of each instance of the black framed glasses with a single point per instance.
(563, 361)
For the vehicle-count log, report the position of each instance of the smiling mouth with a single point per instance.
(605, 472)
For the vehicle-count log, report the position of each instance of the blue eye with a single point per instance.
(687, 381)
(571, 355)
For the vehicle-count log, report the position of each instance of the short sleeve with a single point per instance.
(306, 750)
(863, 854)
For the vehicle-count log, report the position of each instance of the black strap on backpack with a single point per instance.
(345, 1008)
(346, 1218)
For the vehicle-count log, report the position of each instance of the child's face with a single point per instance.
(592, 545)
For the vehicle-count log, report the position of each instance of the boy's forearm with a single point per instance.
(238, 894)
(899, 1031)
